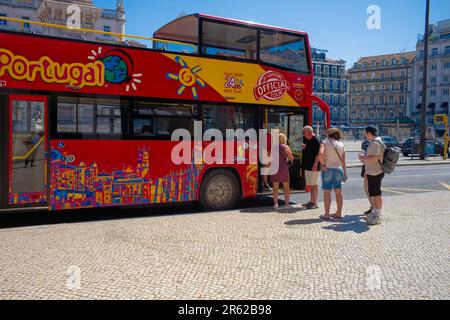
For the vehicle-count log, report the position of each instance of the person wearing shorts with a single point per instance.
(373, 174)
(332, 157)
(311, 165)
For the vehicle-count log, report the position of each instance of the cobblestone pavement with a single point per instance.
(246, 254)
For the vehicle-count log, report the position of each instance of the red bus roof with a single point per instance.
(185, 29)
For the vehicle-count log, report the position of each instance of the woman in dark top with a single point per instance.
(282, 176)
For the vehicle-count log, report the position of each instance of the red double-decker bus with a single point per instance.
(89, 124)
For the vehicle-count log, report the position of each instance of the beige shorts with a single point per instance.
(312, 178)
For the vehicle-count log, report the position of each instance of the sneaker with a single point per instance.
(306, 204)
(288, 207)
(368, 212)
(311, 206)
(275, 206)
(267, 188)
(374, 219)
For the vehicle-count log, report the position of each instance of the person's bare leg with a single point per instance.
(276, 186)
(378, 203)
(327, 202)
(287, 192)
(339, 202)
(314, 194)
(375, 218)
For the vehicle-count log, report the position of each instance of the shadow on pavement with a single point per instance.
(41, 218)
(347, 224)
(304, 222)
(354, 224)
(265, 205)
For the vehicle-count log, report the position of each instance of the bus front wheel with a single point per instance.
(219, 191)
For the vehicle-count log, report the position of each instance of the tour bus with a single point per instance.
(89, 124)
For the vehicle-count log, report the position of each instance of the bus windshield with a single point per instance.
(284, 50)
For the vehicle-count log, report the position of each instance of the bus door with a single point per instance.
(27, 151)
(290, 122)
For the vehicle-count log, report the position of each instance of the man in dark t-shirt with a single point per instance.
(311, 164)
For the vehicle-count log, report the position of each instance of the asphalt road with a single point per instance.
(405, 180)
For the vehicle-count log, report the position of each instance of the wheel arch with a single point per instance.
(210, 171)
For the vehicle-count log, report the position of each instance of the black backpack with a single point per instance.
(390, 158)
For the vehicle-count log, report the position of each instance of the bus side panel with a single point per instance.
(247, 176)
(91, 173)
(243, 161)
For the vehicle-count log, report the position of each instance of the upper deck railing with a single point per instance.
(158, 44)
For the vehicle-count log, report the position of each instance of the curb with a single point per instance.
(406, 164)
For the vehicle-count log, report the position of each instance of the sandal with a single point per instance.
(325, 217)
(336, 217)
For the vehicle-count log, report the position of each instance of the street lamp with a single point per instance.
(424, 85)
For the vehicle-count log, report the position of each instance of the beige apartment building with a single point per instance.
(380, 93)
(57, 12)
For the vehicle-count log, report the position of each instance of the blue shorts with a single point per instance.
(332, 179)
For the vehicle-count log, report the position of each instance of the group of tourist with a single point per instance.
(326, 158)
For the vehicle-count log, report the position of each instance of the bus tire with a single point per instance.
(219, 191)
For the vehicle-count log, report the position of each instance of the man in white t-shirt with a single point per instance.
(373, 174)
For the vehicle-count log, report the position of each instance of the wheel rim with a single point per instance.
(219, 191)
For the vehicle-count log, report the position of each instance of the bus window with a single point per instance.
(153, 119)
(144, 127)
(284, 50)
(86, 116)
(20, 117)
(91, 116)
(67, 117)
(229, 41)
(109, 117)
(223, 118)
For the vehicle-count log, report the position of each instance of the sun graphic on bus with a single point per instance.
(187, 77)
(118, 68)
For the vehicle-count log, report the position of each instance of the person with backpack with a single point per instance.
(373, 174)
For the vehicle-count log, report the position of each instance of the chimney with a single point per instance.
(120, 10)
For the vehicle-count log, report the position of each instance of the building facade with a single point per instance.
(331, 85)
(438, 91)
(380, 93)
(60, 12)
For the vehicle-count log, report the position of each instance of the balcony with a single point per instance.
(377, 80)
(335, 91)
(439, 55)
(381, 92)
(329, 76)
(372, 120)
(380, 67)
(380, 105)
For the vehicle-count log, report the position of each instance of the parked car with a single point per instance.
(432, 147)
(387, 140)
(407, 146)
(390, 142)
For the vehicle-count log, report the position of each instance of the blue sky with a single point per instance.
(336, 25)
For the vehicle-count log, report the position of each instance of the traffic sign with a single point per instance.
(440, 119)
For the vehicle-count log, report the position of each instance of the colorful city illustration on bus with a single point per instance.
(77, 184)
